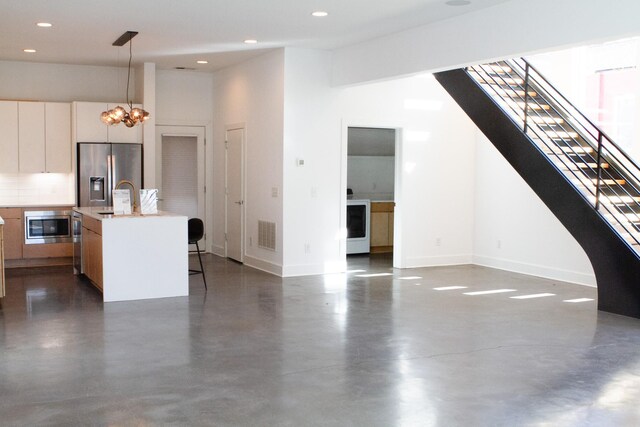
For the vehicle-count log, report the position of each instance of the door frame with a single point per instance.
(197, 131)
(397, 184)
(243, 188)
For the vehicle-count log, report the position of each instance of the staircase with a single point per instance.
(586, 180)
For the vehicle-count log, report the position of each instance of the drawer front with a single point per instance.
(92, 224)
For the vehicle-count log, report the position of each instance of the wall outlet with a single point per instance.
(274, 191)
(438, 241)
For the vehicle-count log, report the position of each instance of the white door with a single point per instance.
(180, 171)
(234, 171)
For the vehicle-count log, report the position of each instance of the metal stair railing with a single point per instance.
(565, 134)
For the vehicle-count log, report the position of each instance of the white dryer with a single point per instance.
(358, 227)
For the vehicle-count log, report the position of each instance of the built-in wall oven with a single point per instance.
(47, 227)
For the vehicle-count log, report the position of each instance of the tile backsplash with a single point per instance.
(37, 189)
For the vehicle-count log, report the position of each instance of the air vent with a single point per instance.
(267, 235)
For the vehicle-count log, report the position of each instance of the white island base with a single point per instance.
(142, 256)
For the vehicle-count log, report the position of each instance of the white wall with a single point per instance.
(312, 193)
(64, 83)
(435, 164)
(371, 177)
(514, 230)
(185, 98)
(506, 30)
(252, 93)
(456, 187)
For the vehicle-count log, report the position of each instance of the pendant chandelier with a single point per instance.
(119, 114)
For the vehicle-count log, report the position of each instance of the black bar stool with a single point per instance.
(195, 228)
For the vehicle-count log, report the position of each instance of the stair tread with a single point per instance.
(568, 150)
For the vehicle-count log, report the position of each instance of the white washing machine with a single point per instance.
(358, 227)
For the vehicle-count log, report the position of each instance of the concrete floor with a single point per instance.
(335, 350)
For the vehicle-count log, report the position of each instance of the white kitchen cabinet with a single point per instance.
(89, 127)
(57, 137)
(9, 137)
(31, 137)
(44, 137)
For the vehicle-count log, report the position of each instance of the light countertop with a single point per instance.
(97, 212)
(38, 205)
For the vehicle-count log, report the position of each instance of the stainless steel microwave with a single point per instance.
(47, 227)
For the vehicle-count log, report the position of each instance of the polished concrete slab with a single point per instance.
(372, 347)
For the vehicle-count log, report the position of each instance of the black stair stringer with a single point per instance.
(616, 265)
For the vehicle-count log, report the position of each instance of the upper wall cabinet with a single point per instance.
(9, 137)
(44, 135)
(58, 137)
(31, 136)
(89, 127)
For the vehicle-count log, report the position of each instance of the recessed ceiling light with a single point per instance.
(202, 62)
(44, 24)
(251, 41)
(319, 14)
(29, 50)
(458, 2)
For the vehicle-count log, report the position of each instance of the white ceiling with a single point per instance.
(177, 33)
(371, 142)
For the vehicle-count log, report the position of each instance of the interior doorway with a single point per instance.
(371, 191)
(234, 193)
(180, 172)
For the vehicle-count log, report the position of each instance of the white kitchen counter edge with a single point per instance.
(39, 205)
(93, 212)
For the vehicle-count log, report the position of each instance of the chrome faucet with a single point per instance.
(133, 190)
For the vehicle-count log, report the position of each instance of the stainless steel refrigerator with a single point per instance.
(101, 166)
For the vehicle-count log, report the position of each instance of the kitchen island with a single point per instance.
(131, 257)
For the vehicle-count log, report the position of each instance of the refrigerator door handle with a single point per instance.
(110, 183)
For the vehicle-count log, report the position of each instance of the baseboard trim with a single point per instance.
(218, 250)
(431, 261)
(536, 270)
(314, 269)
(263, 265)
(436, 261)
(38, 262)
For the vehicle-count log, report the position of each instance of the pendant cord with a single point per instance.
(129, 73)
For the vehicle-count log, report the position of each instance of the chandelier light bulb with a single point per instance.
(106, 118)
(119, 112)
(137, 114)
